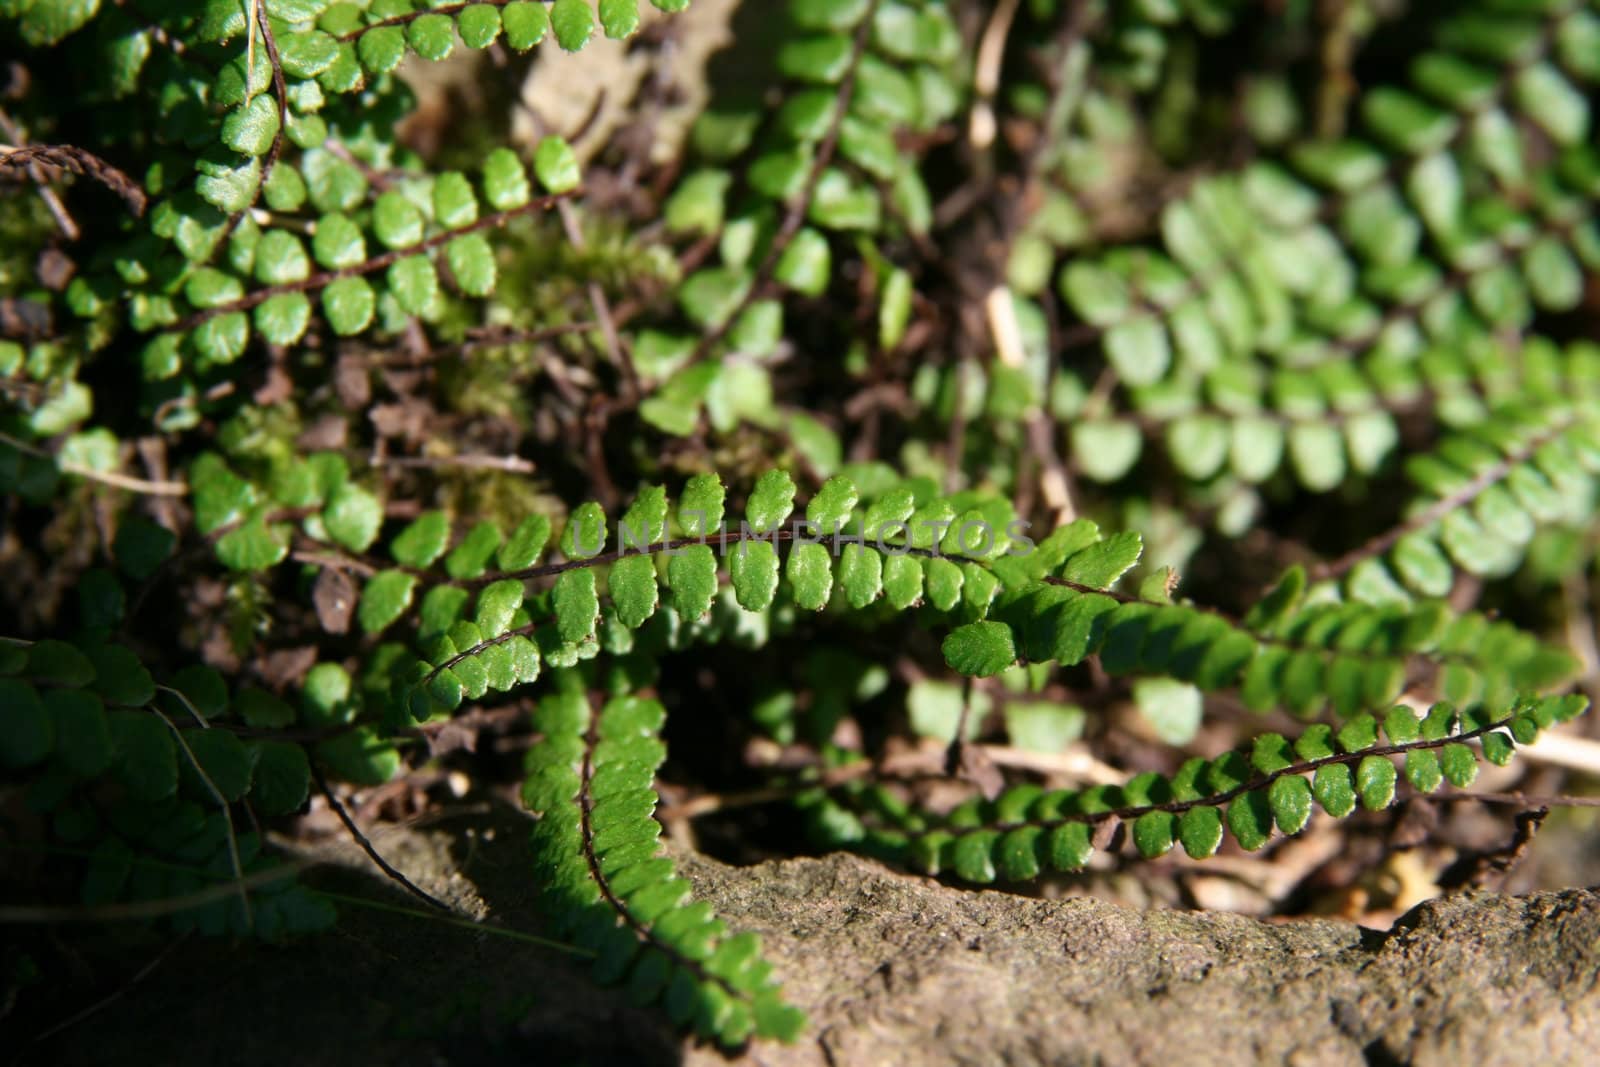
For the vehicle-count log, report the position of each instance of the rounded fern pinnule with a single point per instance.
(980, 649)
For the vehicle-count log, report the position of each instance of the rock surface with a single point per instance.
(891, 969)
(883, 962)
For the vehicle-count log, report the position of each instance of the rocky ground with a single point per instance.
(891, 969)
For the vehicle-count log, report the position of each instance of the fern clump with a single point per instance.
(973, 394)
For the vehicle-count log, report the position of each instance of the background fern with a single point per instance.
(975, 372)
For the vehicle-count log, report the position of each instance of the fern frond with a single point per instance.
(1289, 304)
(84, 719)
(291, 224)
(389, 30)
(1485, 493)
(610, 888)
(788, 196)
(1274, 786)
(1049, 602)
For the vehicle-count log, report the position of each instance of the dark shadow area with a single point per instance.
(382, 987)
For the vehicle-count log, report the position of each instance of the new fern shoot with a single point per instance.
(966, 378)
